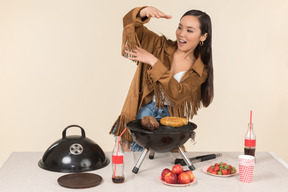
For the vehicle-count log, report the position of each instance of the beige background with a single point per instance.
(60, 64)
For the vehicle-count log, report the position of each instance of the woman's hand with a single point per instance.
(142, 55)
(153, 12)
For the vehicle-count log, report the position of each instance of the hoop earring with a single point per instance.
(201, 43)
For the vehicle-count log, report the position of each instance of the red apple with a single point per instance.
(190, 173)
(164, 172)
(171, 178)
(177, 169)
(184, 178)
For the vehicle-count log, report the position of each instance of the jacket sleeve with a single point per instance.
(189, 89)
(136, 34)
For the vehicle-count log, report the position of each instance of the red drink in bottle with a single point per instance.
(118, 162)
(250, 141)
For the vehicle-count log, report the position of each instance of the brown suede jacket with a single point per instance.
(183, 98)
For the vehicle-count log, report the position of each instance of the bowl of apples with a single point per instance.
(177, 176)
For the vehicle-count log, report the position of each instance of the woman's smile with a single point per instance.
(181, 43)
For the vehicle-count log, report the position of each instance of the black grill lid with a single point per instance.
(73, 154)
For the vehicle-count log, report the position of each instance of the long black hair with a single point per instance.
(205, 51)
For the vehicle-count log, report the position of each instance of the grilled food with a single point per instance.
(149, 123)
(174, 121)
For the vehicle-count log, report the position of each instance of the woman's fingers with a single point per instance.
(154, 12)
(160, 15)
(130, 53)
(139, 54)
(167, 16)
(163, 15)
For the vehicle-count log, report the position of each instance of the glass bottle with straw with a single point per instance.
(118, 160)
(250, 139)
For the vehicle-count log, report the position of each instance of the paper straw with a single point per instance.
(250, 122)
(119, 141)
(118, 149)
(122, 132)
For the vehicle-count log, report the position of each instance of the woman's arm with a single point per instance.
(135, 33)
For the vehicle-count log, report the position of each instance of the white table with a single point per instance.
(20, 173)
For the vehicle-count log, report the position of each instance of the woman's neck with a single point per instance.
(182, 61)
(189, 55)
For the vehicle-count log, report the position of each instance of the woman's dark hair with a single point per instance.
(205, 51)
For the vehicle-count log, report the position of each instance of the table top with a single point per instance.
(21, 173)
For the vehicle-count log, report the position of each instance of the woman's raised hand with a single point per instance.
(153, 12)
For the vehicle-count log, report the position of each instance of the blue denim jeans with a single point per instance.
(149, 110)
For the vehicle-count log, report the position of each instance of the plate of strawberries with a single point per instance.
(221, 170)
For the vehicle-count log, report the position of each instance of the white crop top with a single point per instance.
(178, 76)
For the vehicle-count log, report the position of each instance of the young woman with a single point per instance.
(173, 78)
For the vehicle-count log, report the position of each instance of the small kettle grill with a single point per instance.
(163, 139)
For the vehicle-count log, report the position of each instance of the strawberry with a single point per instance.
(224, 171)
(214, 172)
(210, 169)
(216, 168)
(233, 170)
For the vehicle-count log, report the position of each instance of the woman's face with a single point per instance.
(188, 33)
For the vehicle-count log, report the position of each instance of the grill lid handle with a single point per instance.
(82, 131)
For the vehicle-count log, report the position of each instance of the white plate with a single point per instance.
(205, 171)
(178, 184)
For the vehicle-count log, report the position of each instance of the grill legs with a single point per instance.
(187, 161)
(140, 161)
(151, 156)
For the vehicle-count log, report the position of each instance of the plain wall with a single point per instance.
(60, 64)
